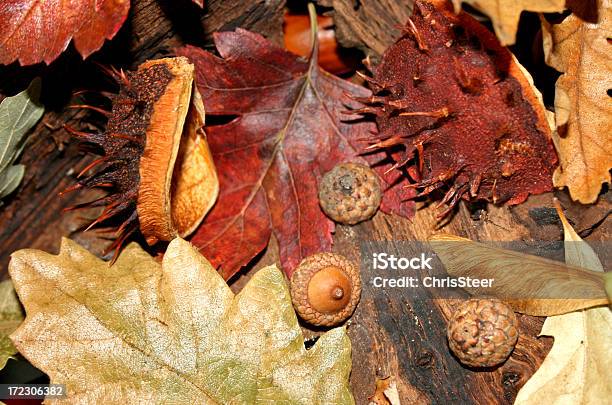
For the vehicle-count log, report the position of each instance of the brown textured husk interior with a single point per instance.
(178, 180)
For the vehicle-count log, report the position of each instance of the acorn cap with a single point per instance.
(178, 181)
(482, 332)
(325, 289)
(350, 193)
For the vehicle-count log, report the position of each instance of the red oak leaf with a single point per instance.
(36, 31)
(290, 128)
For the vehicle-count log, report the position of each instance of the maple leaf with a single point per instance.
(505, 14)
(144, 332)
(290, 128)
(576, 370)
(34, 31)
(583, 110)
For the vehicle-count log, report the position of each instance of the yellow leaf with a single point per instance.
(505, 14)
(144, 332)
(583, 107)
(11, 317)
(577, 369)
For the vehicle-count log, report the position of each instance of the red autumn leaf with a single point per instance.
(290, 128)
(36, 31)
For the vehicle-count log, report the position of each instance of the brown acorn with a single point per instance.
(350, 193)
(325, 289)
(155, 159)
(482, 332)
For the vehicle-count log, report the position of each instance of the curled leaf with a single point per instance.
(577, 369)
(18, 114)
(144, 332)
(530, 284)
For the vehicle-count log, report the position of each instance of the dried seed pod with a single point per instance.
(155, 158)
(458, 114)
(482, 332)
(325, 289)
(350, 193)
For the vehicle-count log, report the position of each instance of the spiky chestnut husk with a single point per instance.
(154, 155)
(325, 289)
(457, 113)
(482, 332)
(350, 193)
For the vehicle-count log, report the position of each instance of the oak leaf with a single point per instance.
(144, 332)
(583, 111)
(36, 31)
(505, 14)
(577, 369)
(11, 317)
(18, 114)
(288, 126)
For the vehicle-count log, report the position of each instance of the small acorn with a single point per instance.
(325, 289)
(482, 332)
(350, 193)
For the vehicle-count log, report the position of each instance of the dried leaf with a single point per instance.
(581, 50)
(386, 393)
(36, 31)
(505, 14)
(530, 284)
(287, 127)
(18, 114)
(11, 317)
(143, 332)
(577, 369)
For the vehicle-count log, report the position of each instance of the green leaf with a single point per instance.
(144, 332)
(18, 114)
(11, 317)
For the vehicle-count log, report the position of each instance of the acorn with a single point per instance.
(155, 161)
(482, 332)
(350, 193)
(325, 289)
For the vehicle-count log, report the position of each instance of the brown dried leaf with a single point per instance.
(505, 14)
(583, 107)
(530, 284)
